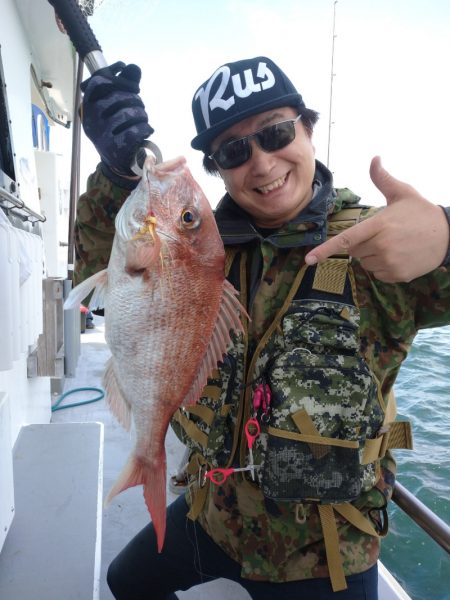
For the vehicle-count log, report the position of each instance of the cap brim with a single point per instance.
(203, 140)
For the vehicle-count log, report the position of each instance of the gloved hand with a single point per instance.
(114, 117)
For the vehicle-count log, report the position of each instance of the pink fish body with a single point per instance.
(168, 316)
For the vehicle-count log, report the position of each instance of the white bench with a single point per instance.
(53, 548)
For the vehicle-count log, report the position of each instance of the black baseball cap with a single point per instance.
(238, 90)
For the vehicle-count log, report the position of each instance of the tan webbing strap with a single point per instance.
(196, 468)
(400, 435)
(331, 539)
(205, 413)
(339, 222)
(226, 408)
(198, 502)
(396, 434)
(306, 425)
(345, 218)
(230, 254)
(212, 391)
(330, 276)
(372, 450)
(355, 518)
(202, 411)
(391, 408)
(311, 439)
(304, 422)
(191, 429)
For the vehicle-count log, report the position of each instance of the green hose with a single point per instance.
(75, 390)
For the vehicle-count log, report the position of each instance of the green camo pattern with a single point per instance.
(263, 534)
(321, 371)
(94, 225)
(271, 539)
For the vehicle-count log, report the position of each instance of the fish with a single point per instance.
(169, 314)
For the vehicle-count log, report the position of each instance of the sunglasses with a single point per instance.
(270, 139)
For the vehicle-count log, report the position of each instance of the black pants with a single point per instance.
(190, 557)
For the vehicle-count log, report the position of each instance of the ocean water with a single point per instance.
(423, 396)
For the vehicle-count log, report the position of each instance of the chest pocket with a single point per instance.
(325, 404)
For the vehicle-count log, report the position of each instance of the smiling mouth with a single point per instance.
(265, 189)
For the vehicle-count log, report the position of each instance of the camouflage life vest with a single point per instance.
(324, 425)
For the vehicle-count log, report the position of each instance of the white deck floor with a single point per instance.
(127, 513)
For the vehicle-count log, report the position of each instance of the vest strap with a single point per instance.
(398, 435)
(356, 518)
(331, 539)
(312, 439)
(306, 426)
(191, 429)
(207, 414)
(202, 411)
(343, 219)
(230, 254)
(212, 391)
(199, 490)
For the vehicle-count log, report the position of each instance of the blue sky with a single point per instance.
(391, 90)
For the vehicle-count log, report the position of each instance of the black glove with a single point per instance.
(114, 117)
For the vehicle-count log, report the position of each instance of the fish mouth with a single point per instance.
(273, 185)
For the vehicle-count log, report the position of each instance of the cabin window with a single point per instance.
(40, 128)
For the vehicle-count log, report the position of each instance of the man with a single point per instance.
(304, 399)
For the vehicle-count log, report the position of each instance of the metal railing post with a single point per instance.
(423, 516)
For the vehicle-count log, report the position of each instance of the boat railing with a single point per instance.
(433, 525)
(11, 203)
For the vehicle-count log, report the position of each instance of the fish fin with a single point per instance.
(141, 256)
(99, 281)
(153, 477)
(118, 404)
(228, 319)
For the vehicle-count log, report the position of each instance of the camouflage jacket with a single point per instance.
(282, 540)
(94, 225)
(272, 539)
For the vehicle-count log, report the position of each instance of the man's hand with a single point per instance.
(113, 115)
(405, 240)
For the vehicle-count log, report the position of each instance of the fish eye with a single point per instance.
(189, 219)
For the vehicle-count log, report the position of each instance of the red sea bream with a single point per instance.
(168, 314)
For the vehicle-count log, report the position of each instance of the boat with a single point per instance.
(55, 538)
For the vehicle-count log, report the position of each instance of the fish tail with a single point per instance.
(153, 477)
(155, 499)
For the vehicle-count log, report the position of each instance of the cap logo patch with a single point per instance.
(243, 84)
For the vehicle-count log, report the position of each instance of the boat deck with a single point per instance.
(127, 513)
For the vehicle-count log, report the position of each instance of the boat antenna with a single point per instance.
(331, 82)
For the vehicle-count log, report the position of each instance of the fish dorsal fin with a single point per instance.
(98, 283)
(228, 319)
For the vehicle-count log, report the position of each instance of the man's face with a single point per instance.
(273, 187)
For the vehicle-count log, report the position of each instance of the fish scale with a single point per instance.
(168, 316)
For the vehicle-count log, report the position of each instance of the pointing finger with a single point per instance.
(344, 242)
